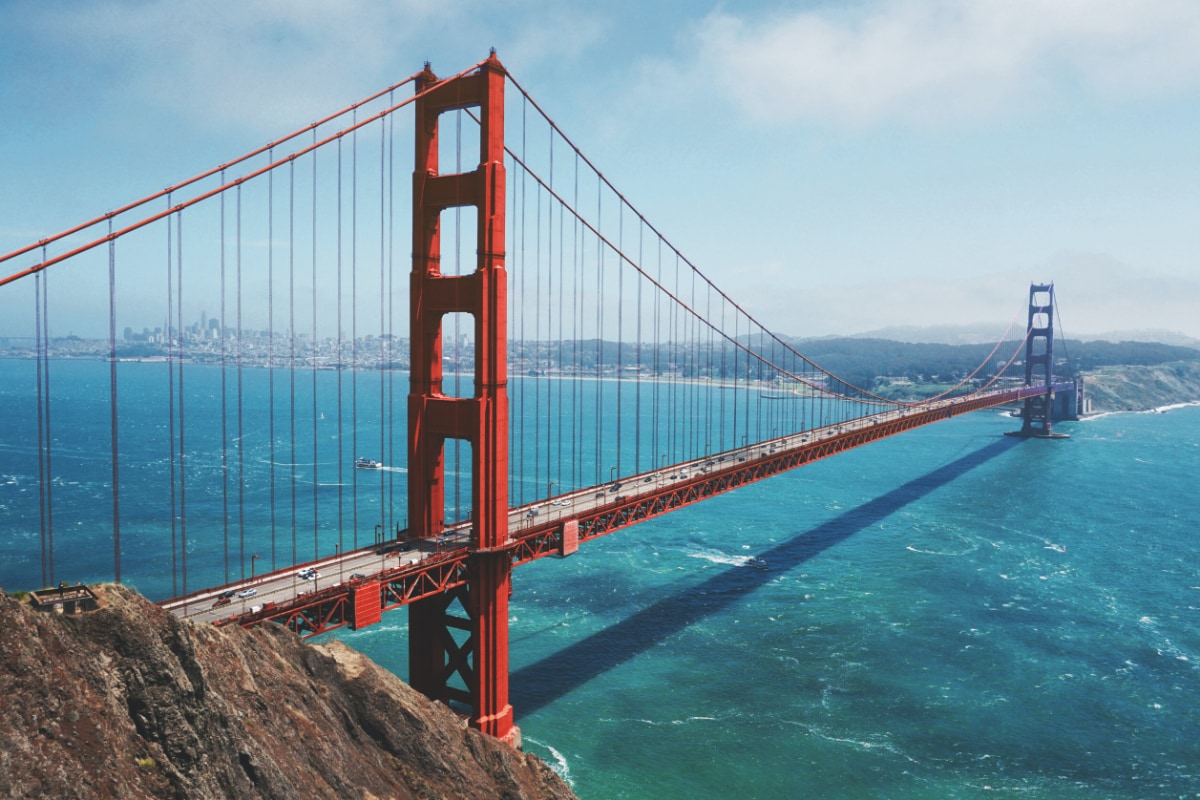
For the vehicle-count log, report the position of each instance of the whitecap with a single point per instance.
(560, 765)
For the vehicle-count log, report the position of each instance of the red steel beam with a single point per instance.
(320, 612)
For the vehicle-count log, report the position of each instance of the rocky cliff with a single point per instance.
(128, 702)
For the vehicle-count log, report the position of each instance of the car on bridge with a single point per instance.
(222, 600)
(308, 574)
(248, 592)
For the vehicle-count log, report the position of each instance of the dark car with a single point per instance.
(357, 576)
(228, 593)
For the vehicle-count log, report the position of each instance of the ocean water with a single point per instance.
(950, 613)
(947, 614)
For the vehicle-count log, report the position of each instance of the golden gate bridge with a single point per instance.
(570, 374)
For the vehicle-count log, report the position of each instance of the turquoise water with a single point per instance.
(947, 614)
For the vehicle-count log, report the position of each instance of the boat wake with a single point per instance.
(719, 557)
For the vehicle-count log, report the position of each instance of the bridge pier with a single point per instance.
(462, 657)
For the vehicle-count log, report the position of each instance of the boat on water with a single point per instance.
(367, 463)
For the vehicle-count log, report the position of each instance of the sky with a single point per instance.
(836, 167)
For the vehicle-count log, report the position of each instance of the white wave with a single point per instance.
(1101, 415)
(560, 764)
(1173, 407)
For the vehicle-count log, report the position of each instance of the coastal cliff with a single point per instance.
(1142, 388)
(126, 701)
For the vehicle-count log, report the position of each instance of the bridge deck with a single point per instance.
(396, 573)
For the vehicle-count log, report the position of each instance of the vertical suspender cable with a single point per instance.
(271, 342)
(49, 481)
(292, 339)
(43, 436)
(383, 341)
(241, 444)
(539, 377)
(537, 344)
(719, 388)
(693, 414)
(672, 361)
(577, 335)
(736, 376)
(182, 449)
(391, 428)
(224, 418)
(171, 393)
(658, 375)
(637, 362)
(353, 319)
(313, 350)
(562, 282)
(520, 470)
(550, 270)
(705, 437)
(112, 389)
(620, 323)
(340, 364)
(599, 332)
(514, 263)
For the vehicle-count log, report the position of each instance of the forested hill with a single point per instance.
(863, 361)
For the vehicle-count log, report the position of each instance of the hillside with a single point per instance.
(129, 702)
(1142, 388)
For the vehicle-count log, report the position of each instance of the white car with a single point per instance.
(308, 574)
(248, 592)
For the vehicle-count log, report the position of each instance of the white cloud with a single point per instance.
(237, 65)
(946, 59)
(263, 65)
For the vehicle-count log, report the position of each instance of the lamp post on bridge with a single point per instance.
(252, 560)
(612, 471)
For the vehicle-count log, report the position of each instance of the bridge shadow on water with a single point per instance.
(545, 681)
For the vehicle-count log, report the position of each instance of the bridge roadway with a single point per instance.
(419, 568)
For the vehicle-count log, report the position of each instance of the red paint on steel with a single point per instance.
(368, 609)
(435, 656)
(570, 538)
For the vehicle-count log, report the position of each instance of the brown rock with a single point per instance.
(129, 702)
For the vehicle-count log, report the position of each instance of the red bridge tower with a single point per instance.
(458, 641)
